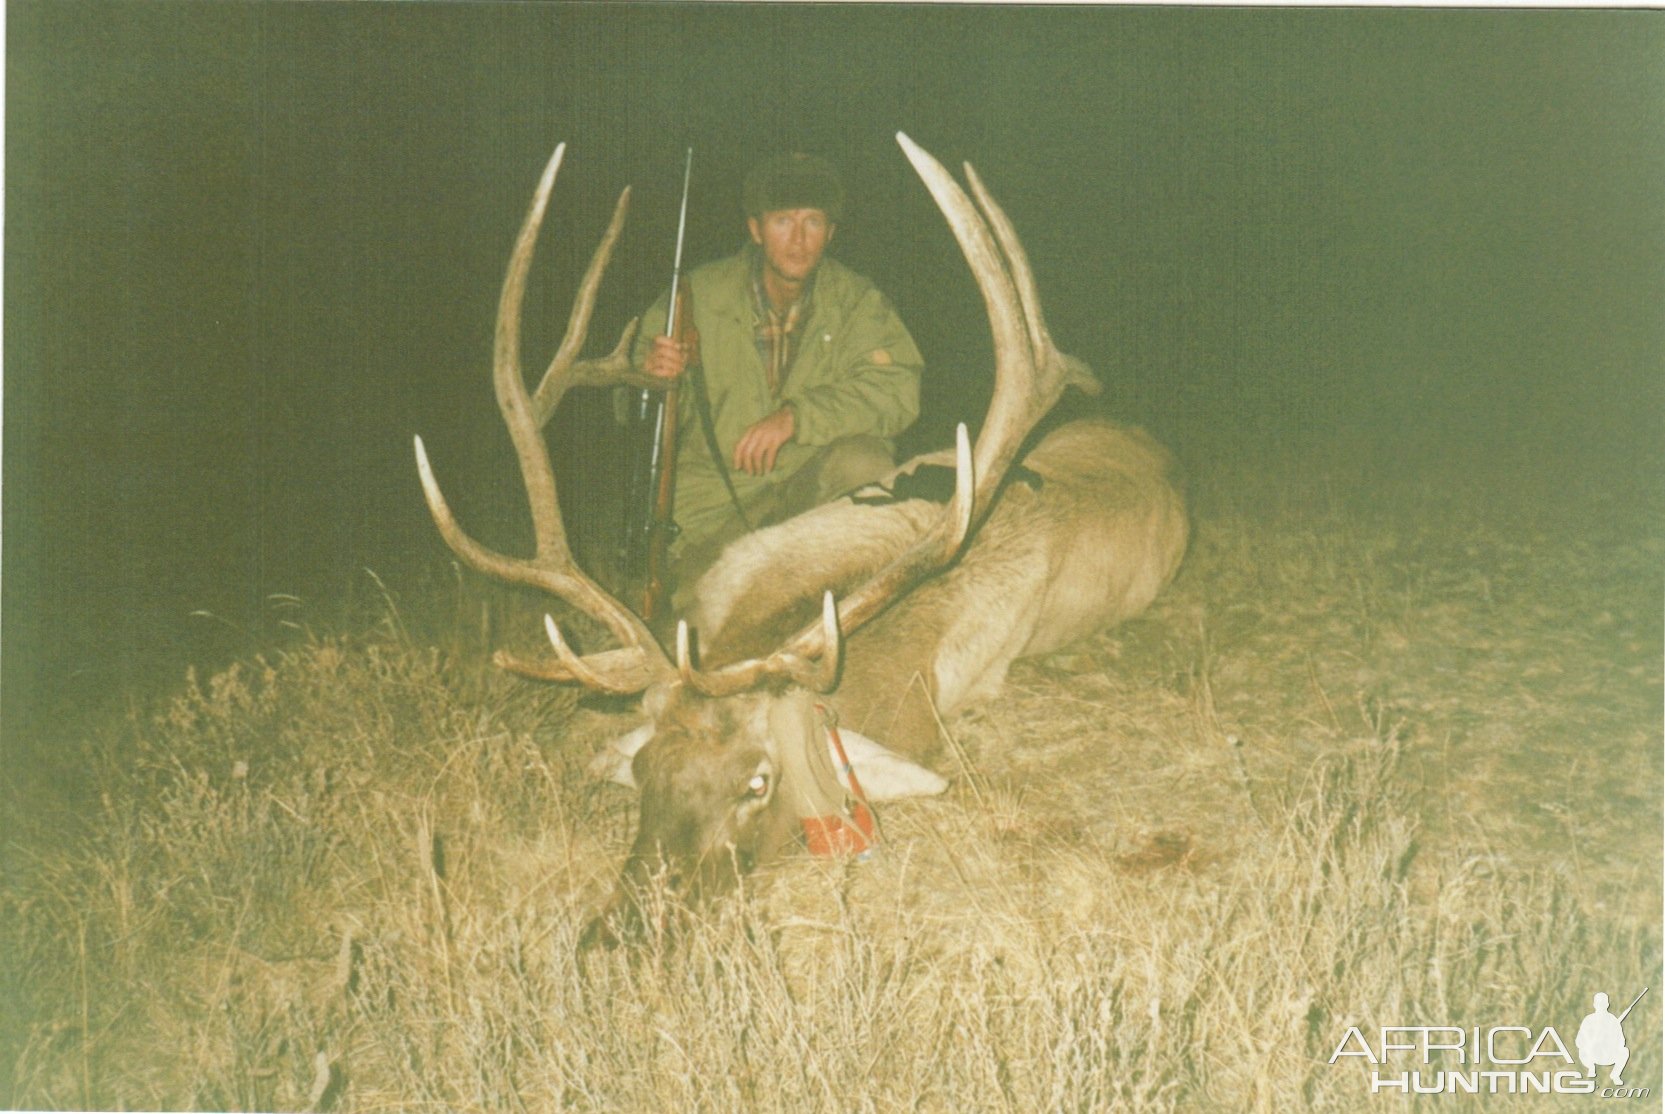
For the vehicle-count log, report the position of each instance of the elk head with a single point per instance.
(734, 747)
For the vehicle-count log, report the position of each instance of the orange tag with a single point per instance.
(833, 836)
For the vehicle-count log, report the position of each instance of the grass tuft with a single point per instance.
(1175, 865)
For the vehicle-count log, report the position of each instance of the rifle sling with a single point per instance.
(702, 403)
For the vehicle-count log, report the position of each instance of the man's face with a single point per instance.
(792, 240)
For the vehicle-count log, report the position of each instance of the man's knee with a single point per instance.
(836, 468)
(850, 462)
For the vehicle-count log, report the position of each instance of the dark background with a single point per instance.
(251, 248)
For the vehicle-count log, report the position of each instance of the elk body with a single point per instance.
(1085, 539)
(882, 611)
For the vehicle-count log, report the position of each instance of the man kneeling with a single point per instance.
(807, 371)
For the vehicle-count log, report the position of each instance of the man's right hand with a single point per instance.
(667, 360)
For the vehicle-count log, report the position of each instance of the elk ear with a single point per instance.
(613, 761)
(886, 775)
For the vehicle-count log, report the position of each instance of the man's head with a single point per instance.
(793, 203)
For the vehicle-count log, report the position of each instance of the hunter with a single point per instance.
(808, 372)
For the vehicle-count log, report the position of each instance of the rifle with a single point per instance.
(650, 528)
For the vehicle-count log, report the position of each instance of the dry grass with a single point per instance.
(1354, 769)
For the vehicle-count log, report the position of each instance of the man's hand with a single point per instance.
(757, 448)
(667, 360)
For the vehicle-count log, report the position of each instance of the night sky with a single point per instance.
(251, 248)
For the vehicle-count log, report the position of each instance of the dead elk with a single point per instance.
(913, 607)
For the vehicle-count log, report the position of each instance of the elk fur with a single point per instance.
(1087, 547)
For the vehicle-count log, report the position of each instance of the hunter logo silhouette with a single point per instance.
(1601, 1038)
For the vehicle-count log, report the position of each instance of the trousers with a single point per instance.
(836, 469)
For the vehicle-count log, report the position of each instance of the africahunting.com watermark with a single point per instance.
(1496, 1060)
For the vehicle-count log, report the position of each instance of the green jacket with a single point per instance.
(856, 370)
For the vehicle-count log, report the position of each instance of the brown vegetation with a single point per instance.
(1373, 760)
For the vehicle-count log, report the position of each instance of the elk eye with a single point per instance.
(758, 786)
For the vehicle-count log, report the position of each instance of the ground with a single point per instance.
(1385, 753)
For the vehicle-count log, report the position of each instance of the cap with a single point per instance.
(795, 181)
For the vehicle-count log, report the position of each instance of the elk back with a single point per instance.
(1084, 538)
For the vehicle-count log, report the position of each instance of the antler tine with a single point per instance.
(684, 658)
(1006, 319)
(565, 370)
(583, 303)
(815, 667)
(615, 671)
(1030, 374)
(1072, 371)
(566, 583)
(510, 383)
(1017, 262)
(552, 569)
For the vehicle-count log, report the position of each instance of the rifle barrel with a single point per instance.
(649, 525)
(681, 230)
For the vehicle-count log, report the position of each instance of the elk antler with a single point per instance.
(639, 661)
(1030, 375)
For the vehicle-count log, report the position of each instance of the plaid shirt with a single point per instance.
(777, 329)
